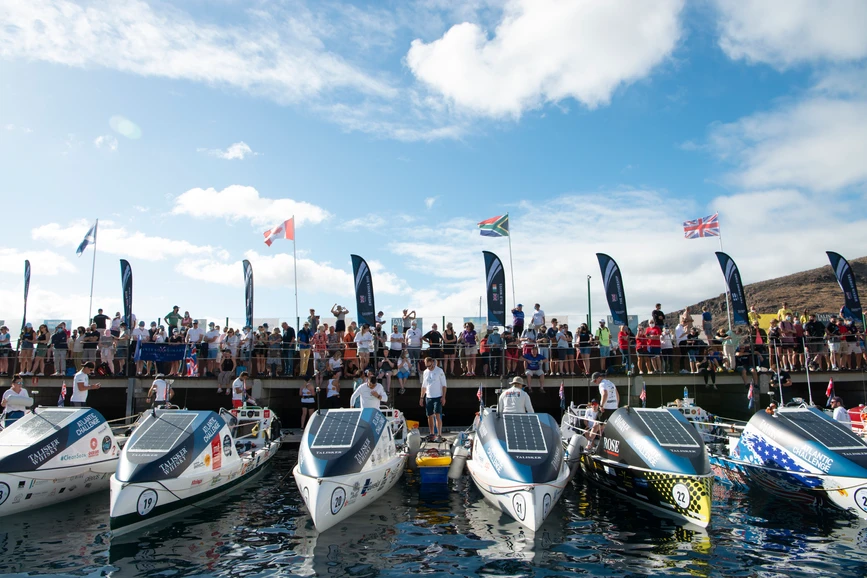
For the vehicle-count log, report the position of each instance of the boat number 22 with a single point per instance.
(680, 493)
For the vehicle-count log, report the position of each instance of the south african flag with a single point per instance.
(495, 226)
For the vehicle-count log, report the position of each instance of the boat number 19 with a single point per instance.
(680, 493)
(146, 502)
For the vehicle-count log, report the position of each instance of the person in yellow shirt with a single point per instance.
(753, 315)
(784, 312)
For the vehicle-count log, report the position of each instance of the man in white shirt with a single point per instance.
(538, 317)
(158, 391)
(840, 412)
(212, 338)
(239, 391)
(680, 335)
(139, 335)
(395, 344)
(413, 346)
(371, 394)
(609, 395)
(433, 387)
(194, 337)
(81, 385)
(515, 399)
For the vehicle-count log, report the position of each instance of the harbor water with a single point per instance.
(262, 529)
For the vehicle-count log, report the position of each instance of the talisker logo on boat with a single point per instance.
(612, 446)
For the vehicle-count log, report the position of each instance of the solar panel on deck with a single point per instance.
(337, 429)
(37, 425)
(163, 433)
(667, 429)
(524, 433)
(827, 433)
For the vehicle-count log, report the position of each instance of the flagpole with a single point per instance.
(728, 309)
(295, 270)
(92, 271)
(511, 266)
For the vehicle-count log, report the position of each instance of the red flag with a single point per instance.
(285, 230)
(479, 393)
(830, 391)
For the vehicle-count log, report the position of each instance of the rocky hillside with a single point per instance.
(815, 290)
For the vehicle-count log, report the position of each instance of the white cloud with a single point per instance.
(277, 270)
(547, 51)
(45, 302)
(429, 202)
(275, 55)
(118, 241)
(41, 262)
(141, 209)
(106, 141)
(125, 127)
(236, 151)
(818, 141)
(787, 32)
(237, 202)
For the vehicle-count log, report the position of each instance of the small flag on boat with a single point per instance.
(62, 399)
(192, 363)
(750, 397)
(89, 238)
(706, 227)
(285, 230)
(562, 396)
(829, 393)
(495, 226)
(643, 395)
(479, 393)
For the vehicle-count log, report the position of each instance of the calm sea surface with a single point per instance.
(263, 530)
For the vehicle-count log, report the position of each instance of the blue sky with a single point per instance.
(390, 129)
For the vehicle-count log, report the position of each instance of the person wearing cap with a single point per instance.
(603, 340)
(538, 319)
(305, 336)
(433, 397)
(518, 320)
(81, 385)
(240, 387)
(173, 319)
(412, 338)
(533, 367)
(515, 399)
(592, 423)
(609, 395)
(159, 389)
(371, 394)
(840, 412)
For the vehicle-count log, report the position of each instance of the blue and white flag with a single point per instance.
(89, 238)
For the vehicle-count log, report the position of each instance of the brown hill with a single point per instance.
(815, 290)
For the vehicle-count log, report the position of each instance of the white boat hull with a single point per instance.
(331, 500)
(26, 491)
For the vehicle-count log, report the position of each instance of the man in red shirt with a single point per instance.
(654, 349)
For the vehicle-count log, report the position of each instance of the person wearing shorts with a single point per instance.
(433, 397)
(533, 364)
(610, 396)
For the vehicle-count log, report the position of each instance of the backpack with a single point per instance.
(102, 370)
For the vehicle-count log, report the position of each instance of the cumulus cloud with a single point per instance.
(41, 262)
(117, 240)
(783, 33)
(106, 142)
(235, 152)
(429, 202)
(547, 51)
(817, 141)
(238, 202)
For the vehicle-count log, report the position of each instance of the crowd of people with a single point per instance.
(532, 347)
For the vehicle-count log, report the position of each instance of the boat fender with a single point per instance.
(459, 461)
(413, 444)
(576, 446)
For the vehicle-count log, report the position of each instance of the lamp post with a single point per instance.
(589, 311)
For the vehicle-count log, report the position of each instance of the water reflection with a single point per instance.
(448, 531)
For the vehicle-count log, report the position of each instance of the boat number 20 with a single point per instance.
(680, 493)
(146, 502)
(338, 498)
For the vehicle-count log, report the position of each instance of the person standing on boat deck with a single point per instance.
(433, 387)
(239, 390)
(515, 399)
(81, 385)
(371, 394)
(158, 391)
(609, 395)
(12, 411)
(332, 393)
(840, 412)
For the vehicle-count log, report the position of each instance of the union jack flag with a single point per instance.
(829, 392)
(62, 398)
(750, 397)
(707, 227)
(643, 395)
(192, 363)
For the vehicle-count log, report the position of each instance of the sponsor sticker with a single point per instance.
(147, 500)
(216, 453)
(546, 505)
(93, 443)
(227, 445)
(106, 444)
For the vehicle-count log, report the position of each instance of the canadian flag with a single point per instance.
(285, 230)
